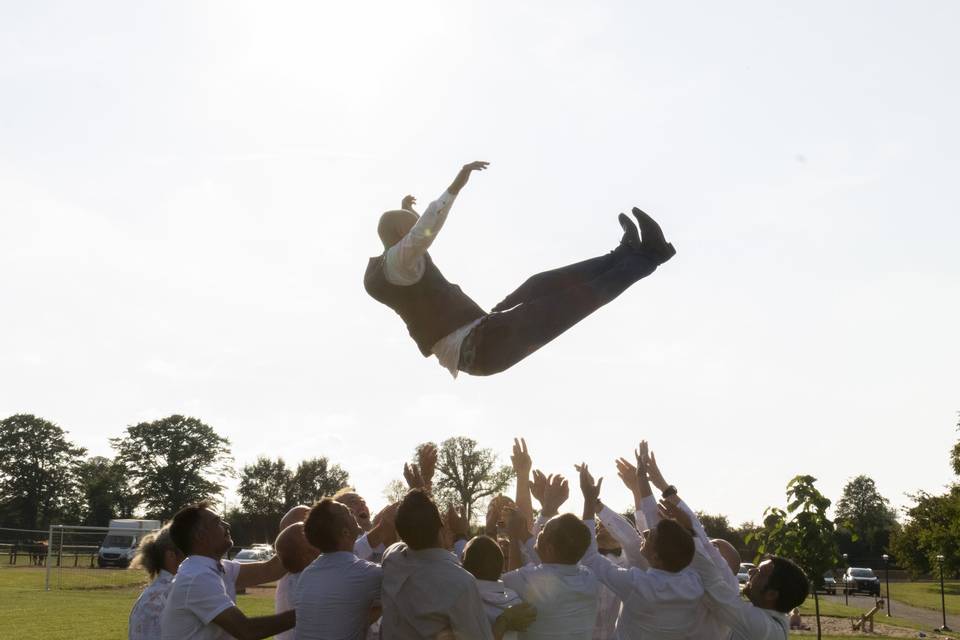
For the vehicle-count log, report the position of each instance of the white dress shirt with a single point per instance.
(404, 267)
(565, 596)
(608, 605)
(626, 535)
(427, 591)
(334, 596)
(496, 599)
(656, 604)
(364, 551)
(145, 615)
(746, 621)
(283, 600)
(202, 589)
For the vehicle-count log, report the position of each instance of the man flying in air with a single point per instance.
(445, 322)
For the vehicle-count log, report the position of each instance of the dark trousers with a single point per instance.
(545, 306)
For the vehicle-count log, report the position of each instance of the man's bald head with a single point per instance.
(296, 514)
(729, 553)
(394, 225)
(294, 550)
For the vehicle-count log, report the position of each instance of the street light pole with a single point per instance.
(846, 575)
(886, 570)
(943, 603)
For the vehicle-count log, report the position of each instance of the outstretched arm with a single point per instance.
(522, 465)
(461, 180)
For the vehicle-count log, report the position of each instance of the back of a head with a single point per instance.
(184, 524)
(293, 548)
(152, 551)
(323, 525)
(295, 514)
(790, 582)
(418, 520)
(729, 553)
(483, 558)
(393, 225)
(569, 538)
(675, 546)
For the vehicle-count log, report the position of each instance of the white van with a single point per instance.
(123, 537)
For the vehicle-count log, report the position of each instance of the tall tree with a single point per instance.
(106, 491)
(868, 517)
(467, 473)
(265, 493)
(932, 528)
(173, 462)
(316, 478)
(38, 480)
(802, 533)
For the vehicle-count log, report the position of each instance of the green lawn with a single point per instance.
(838, 610)
(95, 612)
(927, 595)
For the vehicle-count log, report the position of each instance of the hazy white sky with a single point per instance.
(189, 193)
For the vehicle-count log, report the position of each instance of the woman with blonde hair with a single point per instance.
(160, 558)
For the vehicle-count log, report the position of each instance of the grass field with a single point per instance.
(927, 595)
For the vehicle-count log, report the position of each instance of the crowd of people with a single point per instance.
(414, 572)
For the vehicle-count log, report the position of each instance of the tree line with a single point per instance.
(162, 465)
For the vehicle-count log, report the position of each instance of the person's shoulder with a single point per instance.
(393, 552)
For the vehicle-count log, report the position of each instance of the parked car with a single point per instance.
(744, 574)
(829, 583)
(257, 553)
(859, 579)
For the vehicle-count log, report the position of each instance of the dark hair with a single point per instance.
(323, 525)
(569, 538)
(790, 582)
(418, 520)
(674, 545)
(483, 558)
(152, 551)
(184, 524)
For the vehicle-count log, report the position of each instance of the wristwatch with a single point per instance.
(671, 490)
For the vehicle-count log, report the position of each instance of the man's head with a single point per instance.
(394, 225)
(331, 526)
(729, 554)
(483, 558)
(197, 530)
(157, 552)
(296, 514)
(563, 540)
(605, 541)
(356, 504)
(668, 546)
(294, 550)
(418, 521)
(777, 583)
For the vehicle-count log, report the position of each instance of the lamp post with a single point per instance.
(886, 570)
(943, 603)
(846, 574)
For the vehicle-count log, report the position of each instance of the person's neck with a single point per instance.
(208, 553)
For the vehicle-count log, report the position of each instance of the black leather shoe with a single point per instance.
(653, 240)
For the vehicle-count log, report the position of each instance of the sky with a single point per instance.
(189, 194)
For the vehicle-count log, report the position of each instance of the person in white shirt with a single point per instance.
(337, 595)
(661, 601)
(445, 322)
(160, 557)
(483, 558)
(202, 604)
(295, 554)
(425, 591)
(563, 592)
(775, 587)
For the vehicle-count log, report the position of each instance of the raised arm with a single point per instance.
(254, 573)
(461, 180)
(522, 465)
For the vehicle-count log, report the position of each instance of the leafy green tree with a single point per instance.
(865, 520)
(466, 474)
(802, 533)
(173, 462)
(395, 490)
(316, 478)
(106, 491)
(38, 472)
(955, 454)
(932, 528)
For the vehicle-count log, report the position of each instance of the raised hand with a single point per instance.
(538, 486)
(556, 493)
(456, 522)
(628, 474)
(673, 512)
(521, 458)
(517, 528)
(653, 472)
(427, 461)
(464, 175)
(589, 489)
(407, 203)
(413, 476)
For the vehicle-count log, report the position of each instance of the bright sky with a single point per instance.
(189, 193)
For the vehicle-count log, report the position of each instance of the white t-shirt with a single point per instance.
(565, 596)
(145, 615)
(202, 589)
(334, 595)
(283, 600)
(497, 598)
